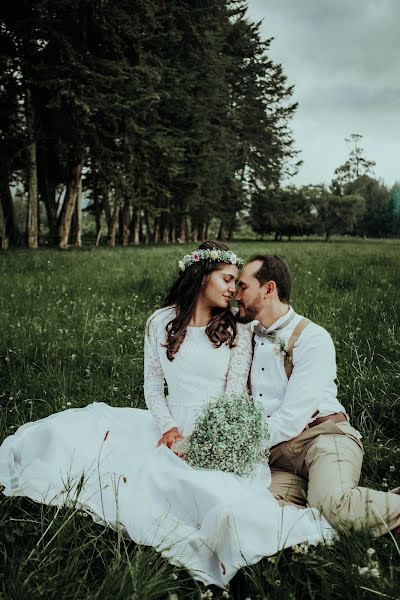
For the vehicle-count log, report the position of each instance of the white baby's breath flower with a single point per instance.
(234, 422)
(181, 265)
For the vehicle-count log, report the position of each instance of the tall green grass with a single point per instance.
(71, 330)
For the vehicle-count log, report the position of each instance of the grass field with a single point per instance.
(71, 329)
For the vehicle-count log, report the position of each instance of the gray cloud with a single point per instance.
(344, 58)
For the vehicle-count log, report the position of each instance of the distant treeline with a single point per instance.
(362, 207)
(163, 115)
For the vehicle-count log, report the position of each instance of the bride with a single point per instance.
(117, 463)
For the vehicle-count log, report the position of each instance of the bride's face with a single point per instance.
(220, 286)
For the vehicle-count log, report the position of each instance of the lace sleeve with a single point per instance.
(154, 379)
(240, 361)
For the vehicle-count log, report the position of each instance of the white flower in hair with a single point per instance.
(196, 256)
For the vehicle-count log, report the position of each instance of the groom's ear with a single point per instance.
(269, 289)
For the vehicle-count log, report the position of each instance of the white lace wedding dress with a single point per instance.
(210, 522)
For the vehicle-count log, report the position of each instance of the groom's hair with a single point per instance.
(274, 268)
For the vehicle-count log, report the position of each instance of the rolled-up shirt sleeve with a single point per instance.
(314, 371)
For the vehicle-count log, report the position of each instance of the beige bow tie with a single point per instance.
(272, 335)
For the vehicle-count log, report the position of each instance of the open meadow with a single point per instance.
(71, 333)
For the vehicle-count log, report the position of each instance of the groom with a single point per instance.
(293, 375)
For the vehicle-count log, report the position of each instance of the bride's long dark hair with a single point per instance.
(184, 294)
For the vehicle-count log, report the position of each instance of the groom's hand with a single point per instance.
(170, 437)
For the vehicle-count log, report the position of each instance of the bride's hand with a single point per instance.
(170, 437)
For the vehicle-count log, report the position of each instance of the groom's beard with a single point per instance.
(249, 313)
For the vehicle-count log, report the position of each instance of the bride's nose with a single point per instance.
(232, 287)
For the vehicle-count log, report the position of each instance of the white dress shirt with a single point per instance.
(290, 404)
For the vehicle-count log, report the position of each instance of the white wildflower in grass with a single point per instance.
(230, 435)
(370, 551)
(371, 570)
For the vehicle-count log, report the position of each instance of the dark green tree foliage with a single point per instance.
(170, 113)
(339, 214)
(12, 137)
(379, 214)
(285, 212)
(395, 209)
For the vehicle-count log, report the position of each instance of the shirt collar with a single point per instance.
(281, 320)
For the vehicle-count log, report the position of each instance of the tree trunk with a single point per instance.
(32, 233)
(141, 234)
(183, 230)
(126, 217)
(192, 235)
(76, 224)
(147, 226)
(47, 190)
(32, 230)
(107, 211)
(231, 228)
(222, 231)
(136, 227)
(70, 200)
(157, 229)
(164, 227)
(200, 232)
(10, 234)
(112, 230)
(165, 234)
(172, 231)
(97, 214)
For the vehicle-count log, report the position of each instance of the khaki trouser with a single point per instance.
(330, 457)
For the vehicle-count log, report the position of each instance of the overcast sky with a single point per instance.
(343, 56)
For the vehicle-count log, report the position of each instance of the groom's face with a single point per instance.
(250, 293)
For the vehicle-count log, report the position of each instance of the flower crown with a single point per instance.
(225, 256)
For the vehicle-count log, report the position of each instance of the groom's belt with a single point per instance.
(335, 417)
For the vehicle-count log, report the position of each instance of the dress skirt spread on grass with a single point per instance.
(105, 459)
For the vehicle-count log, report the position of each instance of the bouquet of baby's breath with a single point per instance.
(230, 434)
